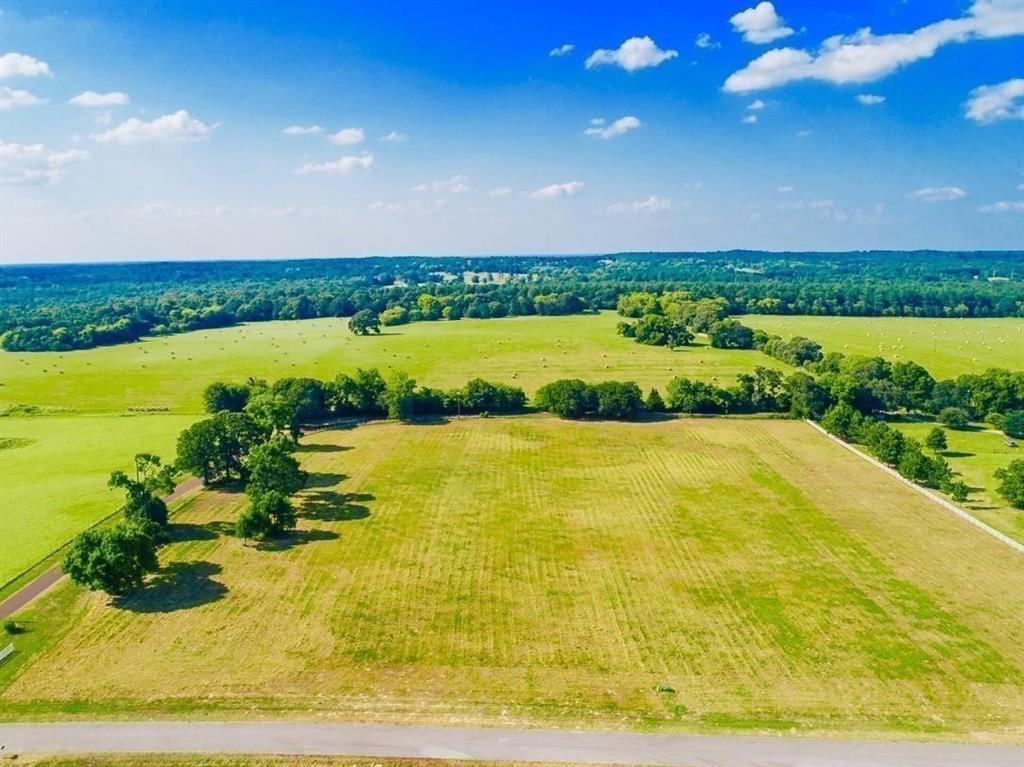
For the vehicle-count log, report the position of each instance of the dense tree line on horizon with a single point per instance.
(67, 307)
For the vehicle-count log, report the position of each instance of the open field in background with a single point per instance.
(53, 476)
(694, 574)
(947, 347)
(976, 454)
(171, 371)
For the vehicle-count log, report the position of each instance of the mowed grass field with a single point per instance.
(946, 347)
(976, 454)
(57, 487)
(693, 574)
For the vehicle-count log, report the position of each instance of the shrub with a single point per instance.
(954, 418)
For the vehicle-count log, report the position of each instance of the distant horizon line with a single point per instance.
(606, 254)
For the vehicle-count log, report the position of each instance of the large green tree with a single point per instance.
(114, 560)
(272, 467)
(1011, 482)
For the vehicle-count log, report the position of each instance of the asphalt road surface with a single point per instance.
(498, 744)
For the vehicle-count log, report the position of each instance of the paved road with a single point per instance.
(42, 582)
(464, 743)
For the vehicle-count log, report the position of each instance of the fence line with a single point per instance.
(949, 506)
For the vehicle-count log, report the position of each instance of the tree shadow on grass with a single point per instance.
(427, 420)
(178, 586)
(186, 531)
(296, 538)
(332, 506)
(955, 454)
(322, 448)
(323, 479)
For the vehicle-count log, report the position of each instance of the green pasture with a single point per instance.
(947, 347)
(54, 472)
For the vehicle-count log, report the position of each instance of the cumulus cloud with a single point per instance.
(635, 53)
(760, 24)
(412, 206)
(395, 137)
(454, 185)
(94, 99)
(865, 57)
(992, 103)
(562, 50)
(550, 192)
(621, 126)
(347, 137)
(869, 99)
(500, 191)
(756, 105)
(36, 163)
(1003, 206)
(11, 98)
(340, 167)
(302, 130)
(705, 41)
(20, 65)
(749, 119)
(938, 194)
(180, 126)
(652, 204)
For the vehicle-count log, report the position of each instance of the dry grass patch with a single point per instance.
(691, 573)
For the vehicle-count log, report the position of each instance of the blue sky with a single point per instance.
(151, 131)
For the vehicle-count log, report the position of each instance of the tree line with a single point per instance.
(64, 307)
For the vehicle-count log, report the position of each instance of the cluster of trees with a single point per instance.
(892, 447)
(763, 391)
(272, 477)
(669, 319)
(282, 407)
(573, 398)
(116, 559)
(64, 307)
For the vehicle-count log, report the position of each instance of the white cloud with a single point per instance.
(169, 210)
(568, 189)
(804, 133)
(597, 121)
(864, 57)
(938, 194)
(816, 205)
(20, 65)
(396, 137)
(500, 191)
(992, 103)
(1003, 206)
(760, 24)
(35, 163)
(94, 99)
(302, 130)
(413, 206)
(784, 189)
(704, 41)
(652, 204)
(180, 126)
(635, 53)
(749, 120)
(756, 105)
(562, 50)
(869, 99)
(347, 136)
(454, 185)
(340, 167)
(11, 98)
(618, 128)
